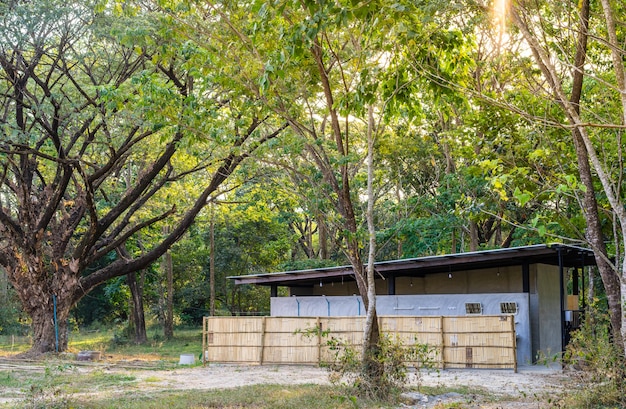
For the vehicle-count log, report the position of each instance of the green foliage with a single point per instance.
(391, 358)
(13, 321)
(598, 363)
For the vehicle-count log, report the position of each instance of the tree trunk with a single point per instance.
(137, 312)
(587, 157)
(45, 332)
(47, 301)
(590, 205)
(212, 264)
(323, 237)
(168, 327)
(372, 365)
(596, 240)
(473, 236)
(617, 54)
(50, 331)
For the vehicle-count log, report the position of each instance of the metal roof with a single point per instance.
(553, 254)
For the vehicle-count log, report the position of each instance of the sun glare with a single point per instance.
(499, 15)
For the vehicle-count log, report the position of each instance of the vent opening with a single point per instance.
(508, 308)
(473, 308)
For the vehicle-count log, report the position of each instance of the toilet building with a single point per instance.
(530, 282)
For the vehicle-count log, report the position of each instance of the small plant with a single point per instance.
(392, 362)
(41, 397)
(47, 394)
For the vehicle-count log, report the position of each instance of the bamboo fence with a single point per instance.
(454, 342)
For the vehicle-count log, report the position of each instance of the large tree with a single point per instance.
(577, 53)
(336, 72)
(97, 131)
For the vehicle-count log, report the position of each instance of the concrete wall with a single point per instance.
(413, 305)
(545, 305)
(541, 319)
(493, 280)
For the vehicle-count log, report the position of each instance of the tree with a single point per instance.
(81, 108)
(576, 79)
(319, 66)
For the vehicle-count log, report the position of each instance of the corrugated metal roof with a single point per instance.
(569, 256)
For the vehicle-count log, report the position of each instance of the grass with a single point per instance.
(62, 380)
(104, 396)
(257, 397)
(59, 382)
(116, 347)
(63, 385)
(13, 344)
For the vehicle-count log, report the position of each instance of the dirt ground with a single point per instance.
(530, 388)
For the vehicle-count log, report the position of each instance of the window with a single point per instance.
(473, 308)
(508, 308)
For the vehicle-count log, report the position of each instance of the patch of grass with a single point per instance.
(184, 341)
(157, 348)
(13, 344)
(257, 397)
(471, 396)
(606, 395)
(62, 379)
(10, 379)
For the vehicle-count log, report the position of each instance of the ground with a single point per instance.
(531, 387)
(525, 389)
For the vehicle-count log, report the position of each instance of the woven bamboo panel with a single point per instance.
(410, 324)
(479, 357)
(289, 339)
(233, 354)
(461, 342)
(291, 355)
(235, 339)
(290, 324)
(235, 324)
(477, 324)
(342, 324)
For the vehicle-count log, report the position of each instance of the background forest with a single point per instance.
(151, 149)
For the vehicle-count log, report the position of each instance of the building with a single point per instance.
(529, 282)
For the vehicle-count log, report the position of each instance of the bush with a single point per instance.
(385, 374)
(598, 363)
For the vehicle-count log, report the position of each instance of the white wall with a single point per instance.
(413, 305)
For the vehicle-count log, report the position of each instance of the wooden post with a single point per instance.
(262, 346)
(319, 342)
(204, 339)
(514, 343)
(443, 343)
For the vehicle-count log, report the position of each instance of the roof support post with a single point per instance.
(391, 284)
(526, 277)
(562, 297)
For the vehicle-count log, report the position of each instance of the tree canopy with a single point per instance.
(235, 135)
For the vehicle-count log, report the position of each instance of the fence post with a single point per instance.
(443, 343)
(514, 343)
(204, 336)
(319, 342)
(262, 346)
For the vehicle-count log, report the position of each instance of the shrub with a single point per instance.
(391, 360)
(598, 363)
